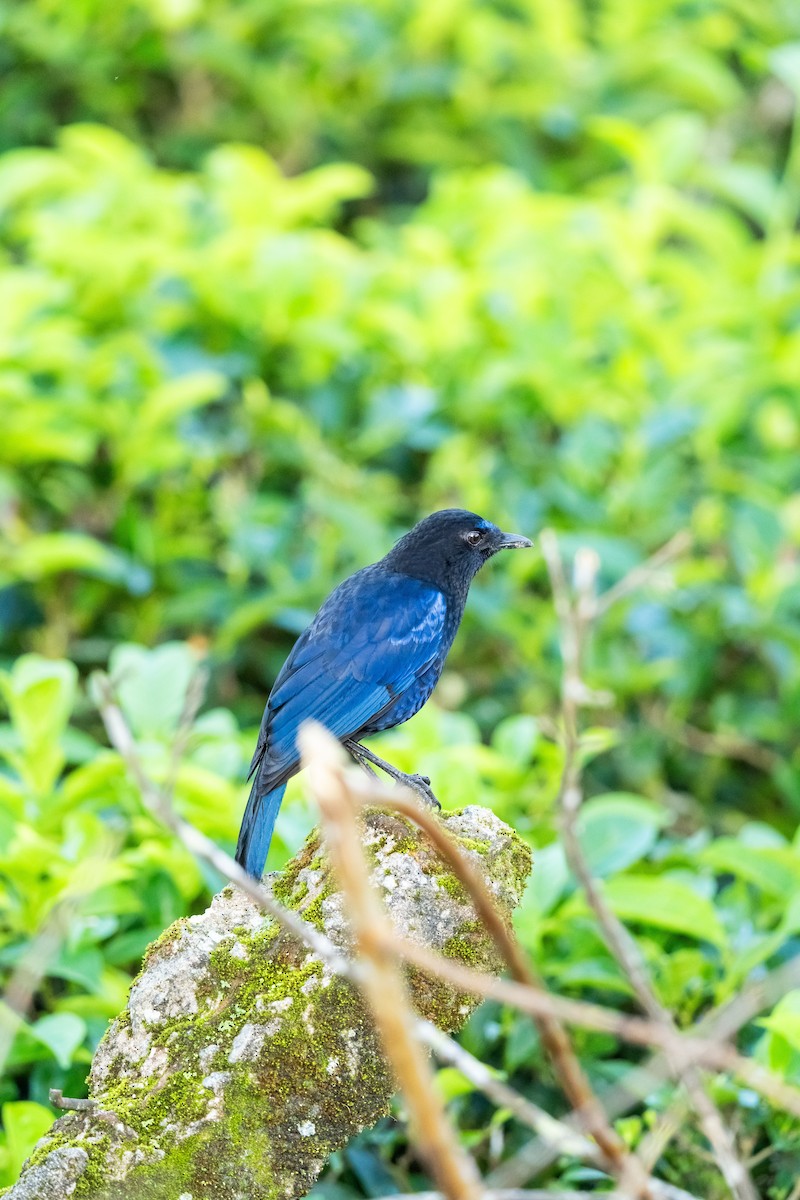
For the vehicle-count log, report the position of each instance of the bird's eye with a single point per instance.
(474, 536)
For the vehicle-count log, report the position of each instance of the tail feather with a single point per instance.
(258, 823)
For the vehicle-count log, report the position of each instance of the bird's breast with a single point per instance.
(408, 703)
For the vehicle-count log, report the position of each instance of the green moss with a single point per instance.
(521, 862)
(163, 943)
(453, 887)
(479, 845)
(95, 1175)
(283, 888)
(468, 945)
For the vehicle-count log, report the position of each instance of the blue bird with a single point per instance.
(370, 658)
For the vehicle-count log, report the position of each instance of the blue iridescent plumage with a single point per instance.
(371, 657)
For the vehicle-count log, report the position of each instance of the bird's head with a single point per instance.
(449, 547)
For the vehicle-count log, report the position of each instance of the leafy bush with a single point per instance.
(202, 382)
(399, 87)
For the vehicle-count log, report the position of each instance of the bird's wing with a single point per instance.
(372, 638)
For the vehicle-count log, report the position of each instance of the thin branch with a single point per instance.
(656, 1140)
(618, 1159)
(642, 574)
(157, 802)
(728, 1018)
(512, 1194)
(575, 618)
(557, 1134)
(195, 692)
(723, 1022)
(680, 1048)
(385, 989)
(714, 744)
(382, 981)
(663, 1191)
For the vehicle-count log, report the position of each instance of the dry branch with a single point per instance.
(383, 984)
(575, 617)
(569, 1072)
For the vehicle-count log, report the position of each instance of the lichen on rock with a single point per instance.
(241, 1061)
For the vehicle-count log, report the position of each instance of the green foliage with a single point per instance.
(275, 281)
(400, 87)
(23, 1124)
(201, 383)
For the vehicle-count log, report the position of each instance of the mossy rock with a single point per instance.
(241, 1061)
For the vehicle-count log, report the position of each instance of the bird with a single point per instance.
(370, 659)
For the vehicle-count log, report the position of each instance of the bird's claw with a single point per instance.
(421, 784)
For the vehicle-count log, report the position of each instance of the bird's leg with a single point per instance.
(420, 784)
(356, 750)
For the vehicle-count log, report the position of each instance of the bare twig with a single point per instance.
(727, 1019)
(198, 682)
(512, 1194)
(663, 1191)
(93, 1109)
(722, 1023)
(159, 804)
(575, 618)
(634, 579)
(556, 1133)
(382, 981)
(720, 744)
(70, 1103)
(463, 869)
(680, 1048)
(617, 1158)
(655, 1142)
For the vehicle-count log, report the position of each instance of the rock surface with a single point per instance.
(241, 1062)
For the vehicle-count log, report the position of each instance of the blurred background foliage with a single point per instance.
(277, 280)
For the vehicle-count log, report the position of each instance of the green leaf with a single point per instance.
(62, 1033)
(776, 870)
(24, 1123)
(178, 396)
(151, 686)
(785, 62)
(450, 1083)
(616, 830)
(665, 904)
(780, 1046)
(596, 741)
(55, 553)
(40, 693)
(785, 1018)
(544, 888)
(82, 965)
(515, 739)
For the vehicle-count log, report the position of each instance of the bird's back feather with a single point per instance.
(376, 646)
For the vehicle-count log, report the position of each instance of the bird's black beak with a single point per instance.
(513, 541)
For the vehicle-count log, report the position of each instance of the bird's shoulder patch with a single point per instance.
(375, 636)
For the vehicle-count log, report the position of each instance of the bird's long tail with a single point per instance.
(258, 823)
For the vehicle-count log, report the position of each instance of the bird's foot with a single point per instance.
(420, 784)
